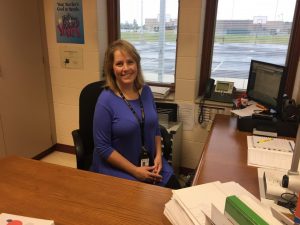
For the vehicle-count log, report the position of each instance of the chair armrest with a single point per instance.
(166, 142)
(79, 149)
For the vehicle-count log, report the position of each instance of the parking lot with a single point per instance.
(232, 60)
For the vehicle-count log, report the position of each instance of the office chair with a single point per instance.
(83, 137)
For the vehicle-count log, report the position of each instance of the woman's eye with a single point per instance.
(119, 64)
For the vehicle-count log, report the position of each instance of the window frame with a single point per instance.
(113, 26)
(292, 58)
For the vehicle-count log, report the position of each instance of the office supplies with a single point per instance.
(239, 213)
(282, 218)
(197, 204)
(245, 211)
(261, 107)
(221, 92)
(169, 109)
(19, 220)
(262, 116)
(282, 128)
(247, 111)
(273, 143)
(273, 184)
(271, 157)
(218, 217)
(266, 84)
(160, 92)
(264, 133)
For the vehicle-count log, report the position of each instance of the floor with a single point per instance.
(61, 158)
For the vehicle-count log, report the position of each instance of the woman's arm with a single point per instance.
(158, 156)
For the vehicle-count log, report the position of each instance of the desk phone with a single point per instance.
(221, 92)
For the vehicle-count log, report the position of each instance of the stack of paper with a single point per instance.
(15, 219)
(160, 92)
(205, 204)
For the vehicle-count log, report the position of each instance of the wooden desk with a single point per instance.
(224, 157)
(74, 197)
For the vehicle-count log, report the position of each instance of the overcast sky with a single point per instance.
(130, 9)
(280, 10)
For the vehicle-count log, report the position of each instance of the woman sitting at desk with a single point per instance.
(126, 130)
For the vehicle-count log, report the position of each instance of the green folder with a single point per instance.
(241, 213)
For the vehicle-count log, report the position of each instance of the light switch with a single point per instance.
(71, 57)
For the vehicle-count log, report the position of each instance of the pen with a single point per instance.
(261, 107)
(264, 140)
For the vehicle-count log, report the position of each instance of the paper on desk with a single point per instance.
(218, 217)
(197, 199)
(176, 214)
(16, 219)
(248, 111)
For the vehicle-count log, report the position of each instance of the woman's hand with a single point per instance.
(157, 164)
(146, 173)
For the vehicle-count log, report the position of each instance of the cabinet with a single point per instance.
(24, 95)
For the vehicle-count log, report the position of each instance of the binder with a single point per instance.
(239, 213)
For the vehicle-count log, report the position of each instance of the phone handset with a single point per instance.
(209, 88)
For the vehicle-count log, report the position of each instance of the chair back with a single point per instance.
(87, 102)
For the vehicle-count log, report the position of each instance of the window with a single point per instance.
(239, 31)
(151, 26)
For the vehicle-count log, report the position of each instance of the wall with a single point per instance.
(296, 92)
(66, 84)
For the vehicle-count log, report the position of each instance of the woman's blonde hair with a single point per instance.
(123, 46)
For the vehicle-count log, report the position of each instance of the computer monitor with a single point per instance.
(266, 84)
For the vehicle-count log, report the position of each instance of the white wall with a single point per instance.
(67, 83)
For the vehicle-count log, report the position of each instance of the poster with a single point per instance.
(69, 21)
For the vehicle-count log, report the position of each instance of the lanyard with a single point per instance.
(141, 122)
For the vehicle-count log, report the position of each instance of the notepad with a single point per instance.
(279, 144)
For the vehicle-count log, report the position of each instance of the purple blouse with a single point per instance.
(116, 128)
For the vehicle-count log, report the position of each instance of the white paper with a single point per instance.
(248, 111)
(197, 199)
(186, 115)
(194, 204)
(4, 217)
(176, 214)
(218, 217)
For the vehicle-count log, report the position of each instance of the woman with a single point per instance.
(126, 130)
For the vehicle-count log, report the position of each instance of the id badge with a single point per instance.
(145, 160)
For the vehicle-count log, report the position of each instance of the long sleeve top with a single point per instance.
(116, 128)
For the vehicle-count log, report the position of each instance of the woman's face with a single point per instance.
(125, 68)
